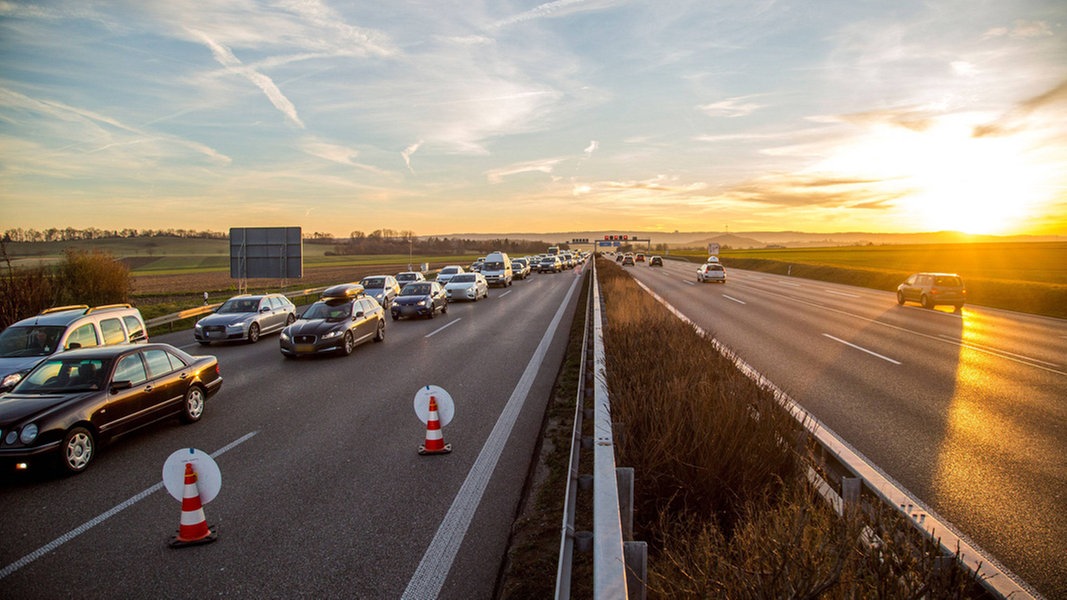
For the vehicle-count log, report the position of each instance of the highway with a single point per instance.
(323, 492)
(966, 410)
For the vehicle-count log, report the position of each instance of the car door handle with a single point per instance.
(148, 388)
(183, 376)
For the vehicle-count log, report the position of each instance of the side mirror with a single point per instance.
(264, 309)
(357, 315)
(73, 346)
(122, 384)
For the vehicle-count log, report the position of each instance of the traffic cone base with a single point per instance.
(178, 542)
(442, 450)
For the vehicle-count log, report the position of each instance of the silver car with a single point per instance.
(245, 317)
(447, 273)
(383, 288)
(467, 286)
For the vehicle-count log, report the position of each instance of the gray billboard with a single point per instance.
(266, 253)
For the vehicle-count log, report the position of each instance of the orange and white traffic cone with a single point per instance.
(435, 440)
(193, 529)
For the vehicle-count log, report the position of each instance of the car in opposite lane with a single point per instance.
(420, 299)
(344, 318)
(467, 286)
(932, 289)
(714, 272)
(245, 318)
(655, 261)
(76, 399)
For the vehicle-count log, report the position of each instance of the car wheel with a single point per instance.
(77, 450)
(193, 405)
(433, 311)
(380, 335)
(396, 317)
(253, 333)
(348, 345)
(289, 320)
(203, 342)
(444, 308)
(900, 297)
(926, 301)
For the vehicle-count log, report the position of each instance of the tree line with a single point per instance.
(69, 234)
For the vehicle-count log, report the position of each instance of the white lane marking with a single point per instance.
(504, 294)
(734, 299)
(996, 352)
(443, 327)
(836, 293)
(861, 348)
(796, 285)
(433, 569)
(86, 526)
(688, 282)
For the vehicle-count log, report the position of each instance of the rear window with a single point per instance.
(948, 281)
(113, 332)
(133, 325)
(84, 336)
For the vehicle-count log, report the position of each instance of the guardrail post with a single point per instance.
(636, 556)
(624, 478)
(850, 491)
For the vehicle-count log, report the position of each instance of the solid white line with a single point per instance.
(504, 294)
(433, 569)
(688, 282)
(734, 299)
(443, 327)
(796, 285)
(886, 358)
(73, 533)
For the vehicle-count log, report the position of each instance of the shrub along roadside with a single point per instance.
(721, 493)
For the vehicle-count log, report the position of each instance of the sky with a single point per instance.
(455, 116)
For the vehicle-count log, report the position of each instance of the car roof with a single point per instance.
(110, 351)
(65, 315)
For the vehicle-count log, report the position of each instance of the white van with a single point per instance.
(497, 269)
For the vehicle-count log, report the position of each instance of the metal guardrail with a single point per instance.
(207, 308)
(614, 556)
(858, 479)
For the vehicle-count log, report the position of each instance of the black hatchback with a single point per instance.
(72, 401)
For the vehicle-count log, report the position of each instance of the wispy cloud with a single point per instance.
(1020, 30)
(227, 59)
(409, 152)
(537, 166)
(731, 107)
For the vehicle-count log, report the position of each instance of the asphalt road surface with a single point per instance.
(323, 492)
(967, 410)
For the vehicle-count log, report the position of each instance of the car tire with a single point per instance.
(396, 317)
(433, 311)
(290, 319)
(253, 333)
(380, 334)
(348, 344)
(900, 297)
(444, 308)
(77, 450)
(193, 404)
(925, 300)
(203, 342)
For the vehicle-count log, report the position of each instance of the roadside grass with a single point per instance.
(1029, 278)
(721, 492)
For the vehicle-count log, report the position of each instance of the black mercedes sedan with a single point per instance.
(72, 402)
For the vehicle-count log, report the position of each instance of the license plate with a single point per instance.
(305, 347)
(214, 334)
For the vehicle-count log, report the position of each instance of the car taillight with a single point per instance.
(217, 371)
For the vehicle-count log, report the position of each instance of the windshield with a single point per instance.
(463, 279)
(39, 340)
(239, 305)
(61, 375)
(450, 270)
(493, 266)
(416, 289)
(373, 282)
(331, 312)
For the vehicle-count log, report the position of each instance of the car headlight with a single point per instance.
(29, 433)
(197, 326)
(11, 437)
(422, 302)
(332, 334)
(11, 380)
(284, 335)
(237, 326)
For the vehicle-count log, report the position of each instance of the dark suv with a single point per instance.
(931, 289)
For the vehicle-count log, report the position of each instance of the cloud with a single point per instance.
(1014, 119)
(408, 152)
(1020, 30)
(338, 154)
(536, 166)
(227, 59)
(807, 190)
(593, 145)
(731, 107)
(549, 9)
